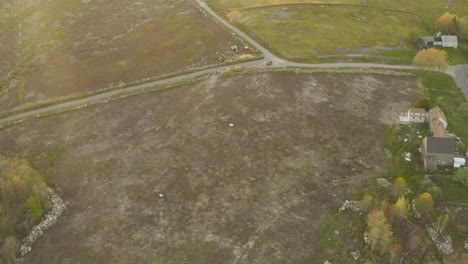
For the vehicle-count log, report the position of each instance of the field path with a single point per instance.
(458, 72)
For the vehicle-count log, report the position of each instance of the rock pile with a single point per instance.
(58, 206)
(353, 206)
(443, 243)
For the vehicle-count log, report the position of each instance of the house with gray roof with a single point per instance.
(437, 151)
(446, 41)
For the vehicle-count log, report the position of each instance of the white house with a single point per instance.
(450, 41)
(416, 115)
(445, 41)
(413, 115)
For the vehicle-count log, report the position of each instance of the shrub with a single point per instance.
(395, 252)
(425, 203)
(246, 57)
(228, 70)
(379, 231)
(237, 17)
(37, 207)
(460, 146)
(422, 103)
(238, 69)
(461, 176)
(21, 201)
(366, 203)
(413, 37)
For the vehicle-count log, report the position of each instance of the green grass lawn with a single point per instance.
(229, 5)
(312, 31)
(458, 55)
(429, 9)
(442, 91)
(455, 56)
(319, 30)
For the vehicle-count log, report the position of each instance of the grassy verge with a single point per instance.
(458, 55)
(41, 104)
(157, 88)
(442, 91)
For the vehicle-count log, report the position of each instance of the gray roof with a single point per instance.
(440, 145)
(450, 39)
(427, 39)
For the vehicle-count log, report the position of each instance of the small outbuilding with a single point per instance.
(458, 162)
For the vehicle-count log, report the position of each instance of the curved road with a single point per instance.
(458, 72)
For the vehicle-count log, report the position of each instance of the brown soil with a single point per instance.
(72, 48)
(257, 192)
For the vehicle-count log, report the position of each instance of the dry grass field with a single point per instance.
(257, 192)
(53, 49)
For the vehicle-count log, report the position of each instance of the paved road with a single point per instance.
(266, 53)
(458, 72)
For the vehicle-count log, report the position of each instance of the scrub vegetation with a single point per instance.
(22, 203)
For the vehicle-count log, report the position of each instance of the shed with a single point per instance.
(459, 161)
(450, 41)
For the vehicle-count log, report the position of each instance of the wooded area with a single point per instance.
(22, 203)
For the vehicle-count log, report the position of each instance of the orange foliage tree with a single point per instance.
(379, 230)
(431, 58)
(448, 24)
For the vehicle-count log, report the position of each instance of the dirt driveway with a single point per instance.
(256, 192)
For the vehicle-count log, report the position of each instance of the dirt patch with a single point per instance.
(256, 192)
(62, 48)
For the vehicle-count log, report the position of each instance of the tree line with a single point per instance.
(22, 203)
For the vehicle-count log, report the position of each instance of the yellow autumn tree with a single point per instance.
(400, 186)
(431, 58)
(379, 230)
(425, 203)
(448, 24)
(402, 206)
